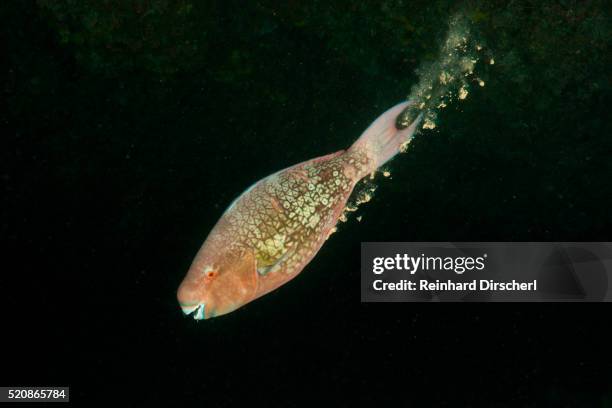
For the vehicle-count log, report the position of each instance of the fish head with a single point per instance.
(218, 283)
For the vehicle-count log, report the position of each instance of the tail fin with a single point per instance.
(382, 140)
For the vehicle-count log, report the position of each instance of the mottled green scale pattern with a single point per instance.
(286, 217)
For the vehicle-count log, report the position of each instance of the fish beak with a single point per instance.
(197, 310)
(199, 313)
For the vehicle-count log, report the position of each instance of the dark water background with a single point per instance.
(131, 125)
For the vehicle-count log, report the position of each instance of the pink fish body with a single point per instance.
(274, 229)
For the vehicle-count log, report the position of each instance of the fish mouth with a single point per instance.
(198, 311)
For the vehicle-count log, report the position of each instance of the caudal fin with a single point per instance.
(382, 140)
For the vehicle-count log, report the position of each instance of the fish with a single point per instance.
(274, 229)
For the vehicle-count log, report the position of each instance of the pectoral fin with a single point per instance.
(266, 265)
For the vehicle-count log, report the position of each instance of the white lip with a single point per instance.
(189, 309)
(198, 311)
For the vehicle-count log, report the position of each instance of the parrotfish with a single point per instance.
(274, 229)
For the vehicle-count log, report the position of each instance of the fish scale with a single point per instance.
(307, 206)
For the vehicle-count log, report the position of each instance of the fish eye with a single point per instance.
(211, 274)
